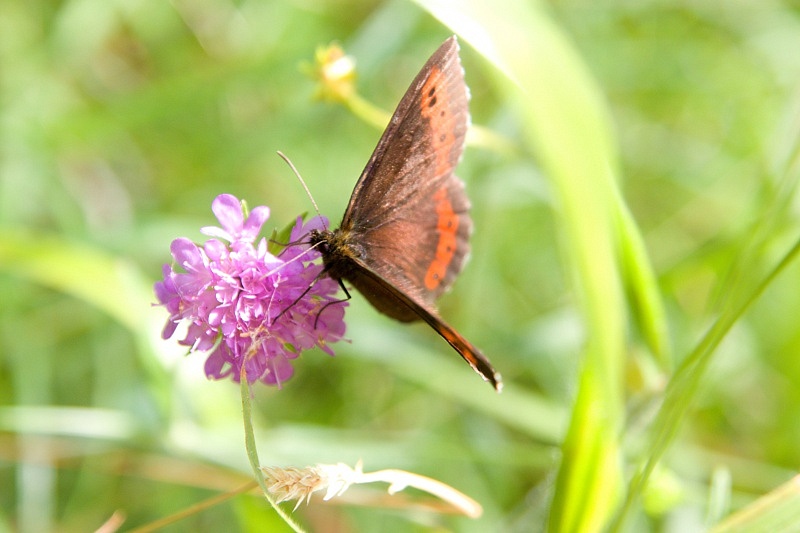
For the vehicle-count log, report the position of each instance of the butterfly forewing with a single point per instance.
(408, 210)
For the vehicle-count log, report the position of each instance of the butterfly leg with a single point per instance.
(310, 286)
(294, 302)
(346, 292)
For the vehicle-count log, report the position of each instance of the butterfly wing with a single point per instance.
(368, 278)
(409, 212)
(405, 234)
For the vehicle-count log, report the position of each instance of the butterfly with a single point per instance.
(405, 234)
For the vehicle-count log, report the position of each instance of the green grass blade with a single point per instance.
(566, 124)
(683, 386)
(647, 308)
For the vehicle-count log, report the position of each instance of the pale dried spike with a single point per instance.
(299, 483)
(293, 483)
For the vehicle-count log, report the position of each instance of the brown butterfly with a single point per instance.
(405, 235)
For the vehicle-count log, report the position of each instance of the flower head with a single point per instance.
(247, 306)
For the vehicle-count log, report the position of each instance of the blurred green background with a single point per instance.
(120, 121)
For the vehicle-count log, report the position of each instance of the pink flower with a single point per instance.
(245, 305)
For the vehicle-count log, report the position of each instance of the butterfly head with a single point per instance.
(338, 250)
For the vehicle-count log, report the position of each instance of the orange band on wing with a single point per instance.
(446, 226)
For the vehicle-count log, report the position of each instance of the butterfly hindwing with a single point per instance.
(367, 278)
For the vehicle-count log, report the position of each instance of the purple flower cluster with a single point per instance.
(231, 294)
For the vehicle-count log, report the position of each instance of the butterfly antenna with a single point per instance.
(302, 182)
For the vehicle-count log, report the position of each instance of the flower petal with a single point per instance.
(252, 225)
(228, 210)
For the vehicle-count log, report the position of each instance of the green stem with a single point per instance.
(252, 453)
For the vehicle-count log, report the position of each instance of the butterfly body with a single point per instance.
(346, 259)
(404, 237)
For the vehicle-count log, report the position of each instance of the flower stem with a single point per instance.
(252, 453)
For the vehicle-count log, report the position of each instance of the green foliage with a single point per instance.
(633, 273)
